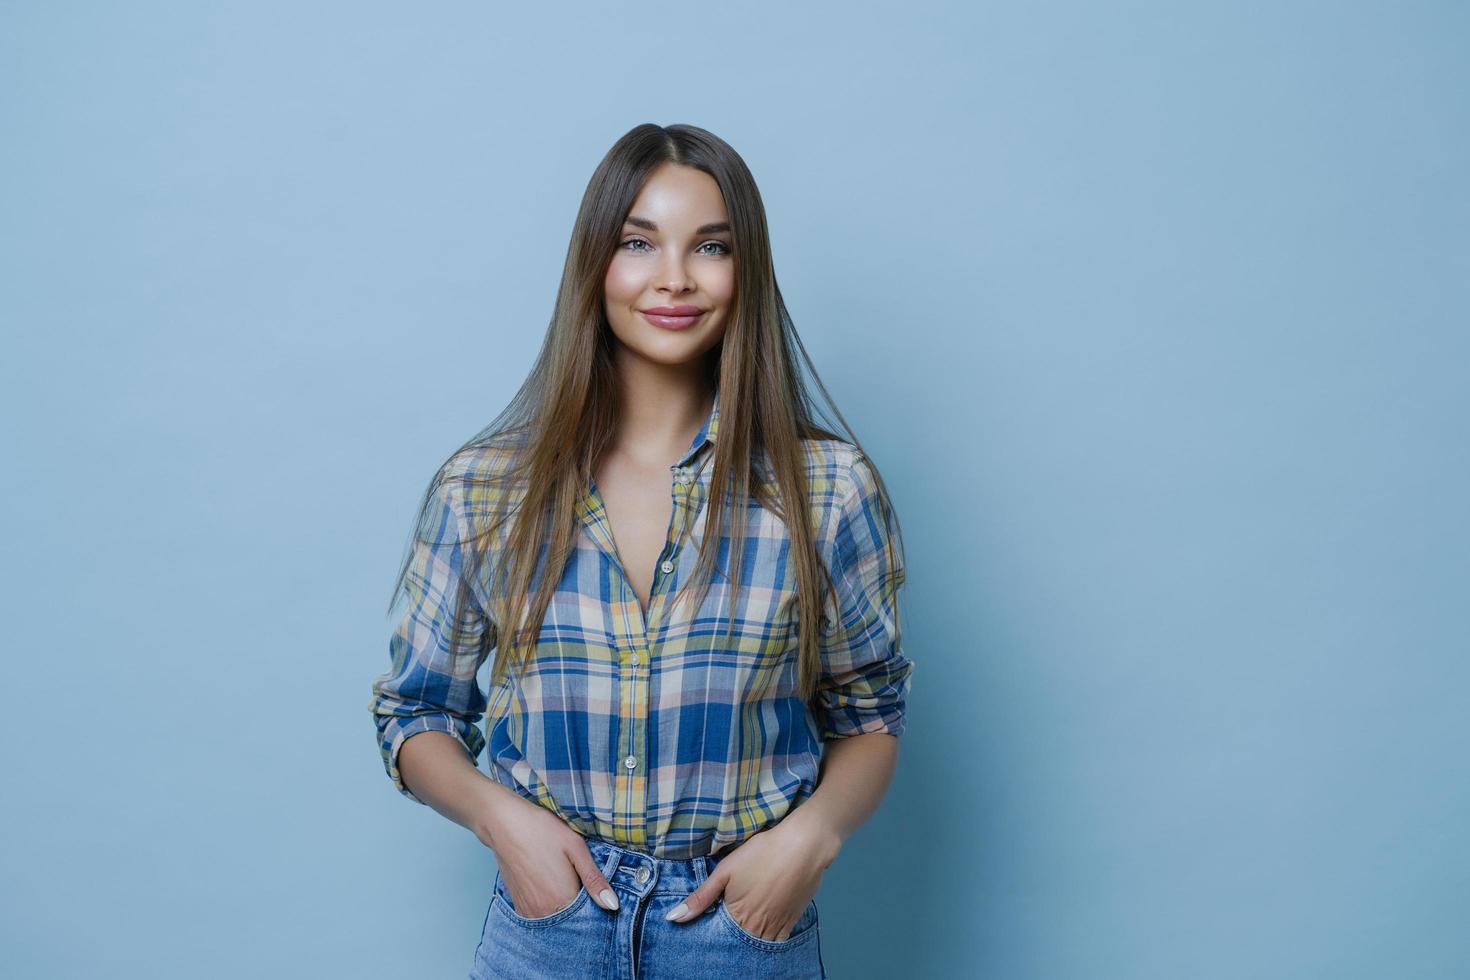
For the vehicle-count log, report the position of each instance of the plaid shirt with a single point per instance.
(660, 736)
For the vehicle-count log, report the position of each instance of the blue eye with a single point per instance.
(723, 248)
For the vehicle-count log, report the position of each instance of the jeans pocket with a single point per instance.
(804, 930)
(503, 900)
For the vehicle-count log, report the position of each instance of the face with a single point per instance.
(671, 280)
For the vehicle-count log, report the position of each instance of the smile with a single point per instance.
(671, 322)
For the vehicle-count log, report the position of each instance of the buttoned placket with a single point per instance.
(638, 641)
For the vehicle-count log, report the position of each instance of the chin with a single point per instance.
(669, 357)
(669, 347)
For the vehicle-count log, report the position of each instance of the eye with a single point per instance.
(628, 243)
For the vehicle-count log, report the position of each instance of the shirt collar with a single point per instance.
(706, 433)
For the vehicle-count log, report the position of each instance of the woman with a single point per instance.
(702, 695)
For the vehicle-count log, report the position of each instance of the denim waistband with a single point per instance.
(645, 874)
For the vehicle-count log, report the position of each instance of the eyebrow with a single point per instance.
(708, 229)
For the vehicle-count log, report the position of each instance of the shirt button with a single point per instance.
(630, 762)
(667, 566)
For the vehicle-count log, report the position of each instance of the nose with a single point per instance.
(675, 276)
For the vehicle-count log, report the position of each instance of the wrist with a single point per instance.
(818, 837)
(487, 813)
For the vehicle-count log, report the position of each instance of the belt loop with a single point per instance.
(610, 863)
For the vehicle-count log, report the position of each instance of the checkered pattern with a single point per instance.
(656, 732)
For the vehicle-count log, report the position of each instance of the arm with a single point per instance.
(865, 674)
(442, 776)
(854, 779)
(860, 709)
(426, 706)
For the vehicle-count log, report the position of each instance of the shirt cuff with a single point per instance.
(396, 731)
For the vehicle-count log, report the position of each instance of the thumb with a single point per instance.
(597, 886)
(697, 901)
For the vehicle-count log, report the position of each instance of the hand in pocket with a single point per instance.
(545, 864)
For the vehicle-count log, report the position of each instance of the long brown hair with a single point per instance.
(550, 436)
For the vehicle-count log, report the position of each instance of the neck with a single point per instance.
(660, 408)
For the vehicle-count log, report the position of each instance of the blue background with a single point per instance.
(1154, 316)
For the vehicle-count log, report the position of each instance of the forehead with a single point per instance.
(679, 198)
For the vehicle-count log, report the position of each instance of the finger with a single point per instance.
(597, 886)
(698, 900)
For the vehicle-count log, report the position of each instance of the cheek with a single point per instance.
(721, 284)
(621, 284)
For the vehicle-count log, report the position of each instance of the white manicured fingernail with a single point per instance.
(677, 912)
(608, 899)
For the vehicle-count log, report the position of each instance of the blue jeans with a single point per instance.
(637, 942)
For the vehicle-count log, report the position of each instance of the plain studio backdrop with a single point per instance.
(1154, 316)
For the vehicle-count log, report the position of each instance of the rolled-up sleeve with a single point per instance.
(865, 676)
(431, 683)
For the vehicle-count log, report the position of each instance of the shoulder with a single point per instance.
(483, 477)
(837, 471)
(850, 502)
(839, 482)
(481, 461)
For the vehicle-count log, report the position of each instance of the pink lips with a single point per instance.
(672, 317)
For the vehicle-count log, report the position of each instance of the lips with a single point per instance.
(672, 317)
(683, 310)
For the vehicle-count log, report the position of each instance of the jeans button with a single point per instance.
(642, 875)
